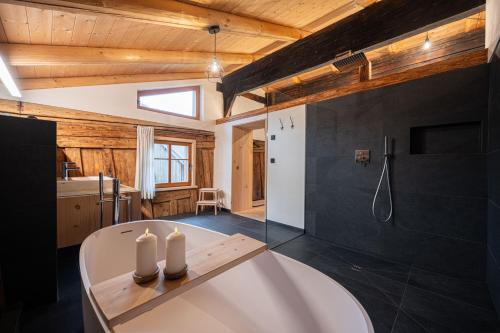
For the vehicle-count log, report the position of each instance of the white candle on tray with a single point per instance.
(145, 254)
(175, 257)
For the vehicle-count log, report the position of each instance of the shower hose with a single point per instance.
(385, 170)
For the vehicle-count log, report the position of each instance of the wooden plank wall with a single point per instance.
(170, 203)
(259, 170)
(387, 64)
(105, 143)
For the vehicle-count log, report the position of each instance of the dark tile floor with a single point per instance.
(399, 298)
(65, 316)
(227, 223)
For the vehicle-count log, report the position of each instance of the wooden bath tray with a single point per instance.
(120, 299)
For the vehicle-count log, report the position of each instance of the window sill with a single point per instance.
(195, 117)
(166, 189)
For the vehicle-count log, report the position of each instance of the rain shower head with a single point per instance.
(348, 61)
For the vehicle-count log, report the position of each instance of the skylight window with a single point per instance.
(182, 101)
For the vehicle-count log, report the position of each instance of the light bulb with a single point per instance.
(214, 66)
(427, 44)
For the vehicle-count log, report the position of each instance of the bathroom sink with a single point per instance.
(84, 179)
(85, 186)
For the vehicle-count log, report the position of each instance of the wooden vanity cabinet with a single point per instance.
(75, 220)
(78, 216)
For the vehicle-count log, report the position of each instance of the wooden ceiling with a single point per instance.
(248, 28)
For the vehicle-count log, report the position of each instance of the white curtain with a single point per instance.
(144, 171)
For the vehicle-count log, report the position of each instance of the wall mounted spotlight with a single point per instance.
(427, 43)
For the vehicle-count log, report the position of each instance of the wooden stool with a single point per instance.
(216, 200)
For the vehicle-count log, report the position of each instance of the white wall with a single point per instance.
(243, 104)
(121, 100)
(259, 134)
(492, 25)
(286, 177)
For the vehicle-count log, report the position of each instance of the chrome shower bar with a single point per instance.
(101, 200)
(386, 171)
(116, 201)
(117, 198)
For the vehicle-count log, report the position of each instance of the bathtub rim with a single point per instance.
(85, 282)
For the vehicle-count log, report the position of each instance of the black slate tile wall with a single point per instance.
(28, 248)
(440, 200)
(493, 242)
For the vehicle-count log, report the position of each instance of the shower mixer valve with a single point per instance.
(362, 156)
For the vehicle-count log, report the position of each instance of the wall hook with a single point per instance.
(291, 120)
(281, 122)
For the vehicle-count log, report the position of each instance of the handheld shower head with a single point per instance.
(385, 170)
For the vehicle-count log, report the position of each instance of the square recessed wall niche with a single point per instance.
(460, 138)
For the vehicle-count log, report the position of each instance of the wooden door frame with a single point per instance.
(242, 165)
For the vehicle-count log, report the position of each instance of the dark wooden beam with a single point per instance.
(454, 63)
(381, 23)
(386, 64)
(254, 97)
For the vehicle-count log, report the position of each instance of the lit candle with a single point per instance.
(175, 257)
(145, 264)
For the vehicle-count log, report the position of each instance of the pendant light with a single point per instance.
(215, 72)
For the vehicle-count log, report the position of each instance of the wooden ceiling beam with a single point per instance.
(255, 98)
(387, 21)
(448, 39)
(454, 63)
(338, 14)
(80, 118)
(365, 72)
(172, 13)
(333, 68)
(65, 82)
(37, 55)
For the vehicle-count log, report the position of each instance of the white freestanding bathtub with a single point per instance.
(269, 293)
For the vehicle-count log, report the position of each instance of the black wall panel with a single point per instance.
(28, 249)
(494, 181)
(440, 194)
